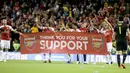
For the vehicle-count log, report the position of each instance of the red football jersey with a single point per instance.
(5, 35)
(108, 35)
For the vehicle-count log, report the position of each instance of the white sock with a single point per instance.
(107, 58)
(5, 56)
(69, 57)
(110, 58)
(49, 56)
(1, 55)
(44, 57)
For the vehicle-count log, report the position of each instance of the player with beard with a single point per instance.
(5, 39)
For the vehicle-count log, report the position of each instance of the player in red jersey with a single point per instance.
(5, 39)
(75, 29)
(45, 29)
(84, 29)
(108, 32)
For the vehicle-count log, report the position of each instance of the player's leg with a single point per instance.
(49, 60)
(124, 58)
(78, 62)
(1, 51)
(86, 58)
(69, 58)
(7, 47)
(119, 47)
(5, 54)
(124, 52)
(109, 56)
(118, 57)
(1, 54)
(44, 58)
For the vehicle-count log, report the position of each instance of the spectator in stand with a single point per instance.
(27, 29)
(52, 11)
(34, 28)
(127, 11)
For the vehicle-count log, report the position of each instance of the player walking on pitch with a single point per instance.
(5, 39)
(121, 30)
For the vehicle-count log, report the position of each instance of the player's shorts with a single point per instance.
(5, 44)
(109, 46)
(121, 45)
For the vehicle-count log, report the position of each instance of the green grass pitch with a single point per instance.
(18, 66)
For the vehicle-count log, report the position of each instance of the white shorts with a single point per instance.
(5, 44)
(109, 46)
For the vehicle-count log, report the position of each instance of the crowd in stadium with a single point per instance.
(62, 15)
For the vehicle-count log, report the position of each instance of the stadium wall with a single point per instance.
(61, 57)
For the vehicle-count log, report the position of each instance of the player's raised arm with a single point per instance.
(14, 30)
(109, 24)
(37, 22)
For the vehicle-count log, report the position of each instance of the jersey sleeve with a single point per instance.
(1, 26)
